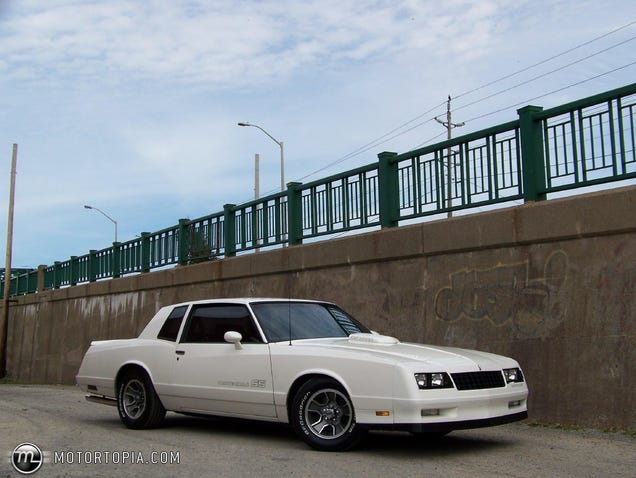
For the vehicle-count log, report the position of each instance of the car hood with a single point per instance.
(423, 357)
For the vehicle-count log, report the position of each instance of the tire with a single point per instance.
(322, 415)
(137, 402)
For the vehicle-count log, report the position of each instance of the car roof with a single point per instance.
(246, 300)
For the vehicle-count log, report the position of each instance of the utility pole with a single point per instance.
(4, 328)
(449, 125)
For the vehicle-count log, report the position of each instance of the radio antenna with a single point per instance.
(289, 320)
(289, 286)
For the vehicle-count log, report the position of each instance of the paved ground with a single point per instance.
(59, 421)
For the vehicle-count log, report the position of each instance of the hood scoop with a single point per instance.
(362, 338)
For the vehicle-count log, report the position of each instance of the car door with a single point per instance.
(213, 376)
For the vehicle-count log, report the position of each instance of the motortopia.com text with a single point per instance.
(116, 457)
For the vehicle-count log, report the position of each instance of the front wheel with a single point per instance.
(137, 402)
(323, 416)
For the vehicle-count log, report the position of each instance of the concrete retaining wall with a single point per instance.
(552, 284)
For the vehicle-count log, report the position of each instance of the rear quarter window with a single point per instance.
(170, 329)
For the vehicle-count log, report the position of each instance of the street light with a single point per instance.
(106, 216)
(282, 156)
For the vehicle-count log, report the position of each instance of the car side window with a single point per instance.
(171, 326)
(208, 323)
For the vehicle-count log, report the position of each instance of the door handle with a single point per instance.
(180, 352)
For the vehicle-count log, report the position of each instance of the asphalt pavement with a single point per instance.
(78, 438)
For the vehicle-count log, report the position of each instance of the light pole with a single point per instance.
(282, 155)
(106, 216)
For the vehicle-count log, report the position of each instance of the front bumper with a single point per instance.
(448, 409)
(448, 426)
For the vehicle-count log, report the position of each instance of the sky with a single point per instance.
(132, 106)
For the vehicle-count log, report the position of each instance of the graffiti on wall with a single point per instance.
(506, 294)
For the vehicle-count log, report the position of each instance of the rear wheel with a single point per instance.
(323, 416)
(137, 402)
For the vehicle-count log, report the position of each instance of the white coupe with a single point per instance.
(302, 362)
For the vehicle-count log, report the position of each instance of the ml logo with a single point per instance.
(27, 458)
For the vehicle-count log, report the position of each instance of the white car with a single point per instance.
(302, 362)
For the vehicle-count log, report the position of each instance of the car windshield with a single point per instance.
(304, 320)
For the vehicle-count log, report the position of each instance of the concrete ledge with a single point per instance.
(605, 212)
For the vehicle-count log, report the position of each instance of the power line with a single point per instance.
(525, 102)
(553, 91)
(376, 142)
(565, 52)
(390, 135)
(543, 75)
(428, 141)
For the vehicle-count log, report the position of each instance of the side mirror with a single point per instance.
(233, 338)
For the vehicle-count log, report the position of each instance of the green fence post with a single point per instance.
(73, 271)
(116, 260)
(532, 158)
(294, 213)
(92, 265)
(182, 242)
(388, 184)
(229, 230)
(145, 252)
(56, 275)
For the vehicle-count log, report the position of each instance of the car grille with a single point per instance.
(478, 380)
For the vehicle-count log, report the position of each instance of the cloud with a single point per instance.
(223, 44)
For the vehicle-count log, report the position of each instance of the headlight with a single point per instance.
(426, 381)
(513, 375)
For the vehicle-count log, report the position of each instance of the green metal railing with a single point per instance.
(590, 141)
(343, 202)
(485, 168)
(583, 143)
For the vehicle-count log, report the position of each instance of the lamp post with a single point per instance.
(282, 155)
(106, 216)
